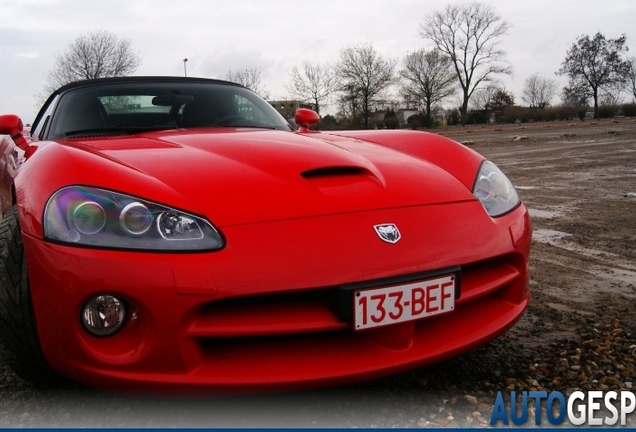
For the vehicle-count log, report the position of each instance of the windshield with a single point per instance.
(121, 108)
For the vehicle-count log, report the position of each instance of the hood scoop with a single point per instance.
(334, 171)
(105, 134)
(343, 181)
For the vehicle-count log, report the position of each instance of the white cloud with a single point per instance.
(28, 54)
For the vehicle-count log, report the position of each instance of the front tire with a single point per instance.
(18, 332)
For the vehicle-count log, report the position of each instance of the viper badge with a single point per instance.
(388, 232)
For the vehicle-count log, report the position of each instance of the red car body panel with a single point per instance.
(277, 183)
(297, 212)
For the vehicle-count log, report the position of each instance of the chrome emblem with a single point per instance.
(388, 232)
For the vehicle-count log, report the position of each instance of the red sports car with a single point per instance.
(178, 234)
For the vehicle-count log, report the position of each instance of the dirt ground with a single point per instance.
(579, 181)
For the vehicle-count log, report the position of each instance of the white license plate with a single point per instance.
(404, 302)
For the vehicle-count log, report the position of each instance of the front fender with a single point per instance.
(55, 166)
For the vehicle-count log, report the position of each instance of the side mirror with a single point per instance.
(304, 118)
(12, 125)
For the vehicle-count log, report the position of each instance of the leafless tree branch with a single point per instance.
(427, 78)
(364, 75)
(538, 91)
(469, 35)
(631, 77)
(314, 83)
(99, 54)
(596, 65)
(250, 78)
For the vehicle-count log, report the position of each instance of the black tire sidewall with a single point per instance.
(18, 330)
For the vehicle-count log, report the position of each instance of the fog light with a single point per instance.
(103, 315)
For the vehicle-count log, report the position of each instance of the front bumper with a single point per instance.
(259, 315)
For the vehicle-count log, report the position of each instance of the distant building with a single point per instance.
(287, 108)
(401, 114)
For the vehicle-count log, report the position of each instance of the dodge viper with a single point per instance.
(178, 234)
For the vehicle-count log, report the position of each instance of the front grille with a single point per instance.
(315, 312)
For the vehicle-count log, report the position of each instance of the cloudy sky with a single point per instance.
(220, 35)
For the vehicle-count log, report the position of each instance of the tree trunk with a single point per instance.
(428, 114)
(463, 111)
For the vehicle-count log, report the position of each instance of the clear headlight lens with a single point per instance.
(95, 217)
(493, 189)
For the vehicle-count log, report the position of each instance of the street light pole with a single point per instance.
(185, 72)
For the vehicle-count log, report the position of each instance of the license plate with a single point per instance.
(404, 302)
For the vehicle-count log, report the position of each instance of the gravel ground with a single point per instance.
(579, 333)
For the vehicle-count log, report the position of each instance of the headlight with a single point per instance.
(494, 190)
(96, 217)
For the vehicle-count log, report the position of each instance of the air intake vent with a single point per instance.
(97, 135)
(334, 171)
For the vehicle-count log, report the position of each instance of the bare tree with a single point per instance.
(482, 97)
(501, 99)
(610, 99)
(314, 84)
(99, 54)
(469, 35)
(349, 103)
(364, 74)
(631, 76)
(427, 79)
(538, 91)
(574, 95)
(250, 78)
(492, 99)
(595, 64)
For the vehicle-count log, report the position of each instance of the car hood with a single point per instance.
(238, 176)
